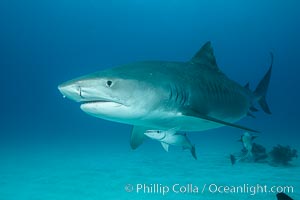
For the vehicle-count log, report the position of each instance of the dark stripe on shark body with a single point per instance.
(216, 92)
(185, 97)
(176, 92)
(178, 95)
(219, 92)
(182, 94)
(170, 93)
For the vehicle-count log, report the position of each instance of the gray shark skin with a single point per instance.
(160, 95)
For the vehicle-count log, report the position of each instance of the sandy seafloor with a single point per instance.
(83, 171)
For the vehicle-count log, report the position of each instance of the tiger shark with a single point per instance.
(160, 95)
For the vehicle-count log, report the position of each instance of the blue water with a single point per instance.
(50, 149)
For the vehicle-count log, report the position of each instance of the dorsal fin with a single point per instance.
(250, 114)
(247, 86)
(205, 56)
(253, 109)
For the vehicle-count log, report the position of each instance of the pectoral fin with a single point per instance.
(192, 113)
(250, 115)
(137, 136)
(165, 146)
(193, 151)
(253, 137)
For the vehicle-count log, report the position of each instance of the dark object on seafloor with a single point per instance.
(282, 155)
(258, 149)
(259, 152)
(282, 196)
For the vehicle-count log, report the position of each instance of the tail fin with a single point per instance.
(262, 88)
(193, 151)
(232, 159)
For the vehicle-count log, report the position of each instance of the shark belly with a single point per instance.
(168, 120)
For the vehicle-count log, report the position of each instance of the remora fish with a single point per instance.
(247, 140)
(159, 95)
(170, 137)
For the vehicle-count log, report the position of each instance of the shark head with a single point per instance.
(122, 94)
(155, 134)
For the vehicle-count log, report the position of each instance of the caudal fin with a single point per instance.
(262, 88)
(193, 151)
(232, 159)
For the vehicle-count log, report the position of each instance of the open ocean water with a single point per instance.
(51, 150)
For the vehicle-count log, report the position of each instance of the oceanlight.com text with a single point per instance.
(248, 189)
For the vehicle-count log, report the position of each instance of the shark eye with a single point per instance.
(109, 83)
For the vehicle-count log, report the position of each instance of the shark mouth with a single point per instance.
(96, 101)
(85, 101)
(99, 101)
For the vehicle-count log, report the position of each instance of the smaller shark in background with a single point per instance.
(170, 137)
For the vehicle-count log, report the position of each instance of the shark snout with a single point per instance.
(71, 91)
